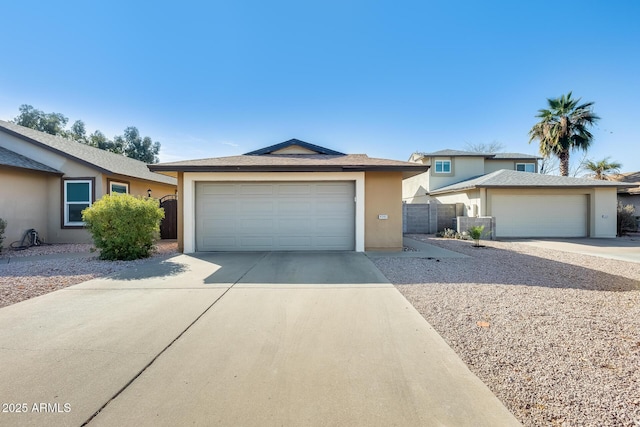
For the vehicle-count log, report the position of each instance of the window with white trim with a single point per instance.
(443, 166)
(525, 167)
(118, 187)
(77, 197)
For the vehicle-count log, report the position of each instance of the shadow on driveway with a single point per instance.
(292, 268)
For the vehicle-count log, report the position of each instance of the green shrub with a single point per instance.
(3, 226)
(476, 233)
(626, 218)
(123, 227)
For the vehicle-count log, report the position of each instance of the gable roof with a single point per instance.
(12, 159)
(101, 160)
(462, 153)
(632, 178)
(504, 178)
(262, 161)
(290, 143)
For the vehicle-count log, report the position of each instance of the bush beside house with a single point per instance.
(124, 227)
(3, 226)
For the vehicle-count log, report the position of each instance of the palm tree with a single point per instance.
(563, 127)
(602, 168)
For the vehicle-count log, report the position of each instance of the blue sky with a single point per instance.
(385, 78)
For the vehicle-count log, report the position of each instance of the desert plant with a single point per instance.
(626, 218)
(449, 233)
(123, 227)
(476, 233)
(3, 226)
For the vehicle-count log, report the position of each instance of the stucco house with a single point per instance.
(290, 196)
(48, 180)
(507, 188)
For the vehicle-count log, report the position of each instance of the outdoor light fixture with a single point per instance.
(149, 193)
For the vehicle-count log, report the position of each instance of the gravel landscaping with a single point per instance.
(21, 280)
(555, 335)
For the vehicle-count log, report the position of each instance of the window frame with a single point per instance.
(442, 162)
(111, 182)
(525, 167)
(64, 213)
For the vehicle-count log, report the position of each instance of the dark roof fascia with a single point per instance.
(291, 142)
(55, 150)
(286, 168)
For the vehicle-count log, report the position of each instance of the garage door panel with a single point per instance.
(255, 190)
(540, 215)
(293, 207)
(213, 224)
(256, 242)
(255, 226)
(216, 189)
(275, 216)
(294, 242)
(330, 188)
(293, 189)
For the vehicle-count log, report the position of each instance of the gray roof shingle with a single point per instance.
(9, 158)
(104, 161)
(462, 153)
(511, 178)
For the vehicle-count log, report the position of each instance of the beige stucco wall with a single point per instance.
(470, 200)
(461, 168)
(24, 202)
(414, 189)
(604, 212)
(383, 196)
(492, 165)
(139, 187)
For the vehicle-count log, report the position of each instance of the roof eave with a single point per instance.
(410, 170)
(58, 173)
(55, 150)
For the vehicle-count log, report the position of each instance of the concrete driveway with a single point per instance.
(624, 249)
(252, 339)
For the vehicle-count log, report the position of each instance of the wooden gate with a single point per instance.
(169, 225)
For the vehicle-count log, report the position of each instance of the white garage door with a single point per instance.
(540, 216)
(248, 216)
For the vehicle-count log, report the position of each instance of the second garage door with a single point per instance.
(249, 216)
(540, 215)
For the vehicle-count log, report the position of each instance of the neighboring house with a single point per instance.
(290, 196)
(48, 180)
(521, 202)
(631, 194)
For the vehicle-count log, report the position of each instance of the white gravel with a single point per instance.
(555, 335)
(21, 280)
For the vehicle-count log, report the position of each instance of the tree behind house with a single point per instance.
(602, 169)
(131, 144)
(564, 127)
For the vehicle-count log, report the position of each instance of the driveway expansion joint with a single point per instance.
(152, 361)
